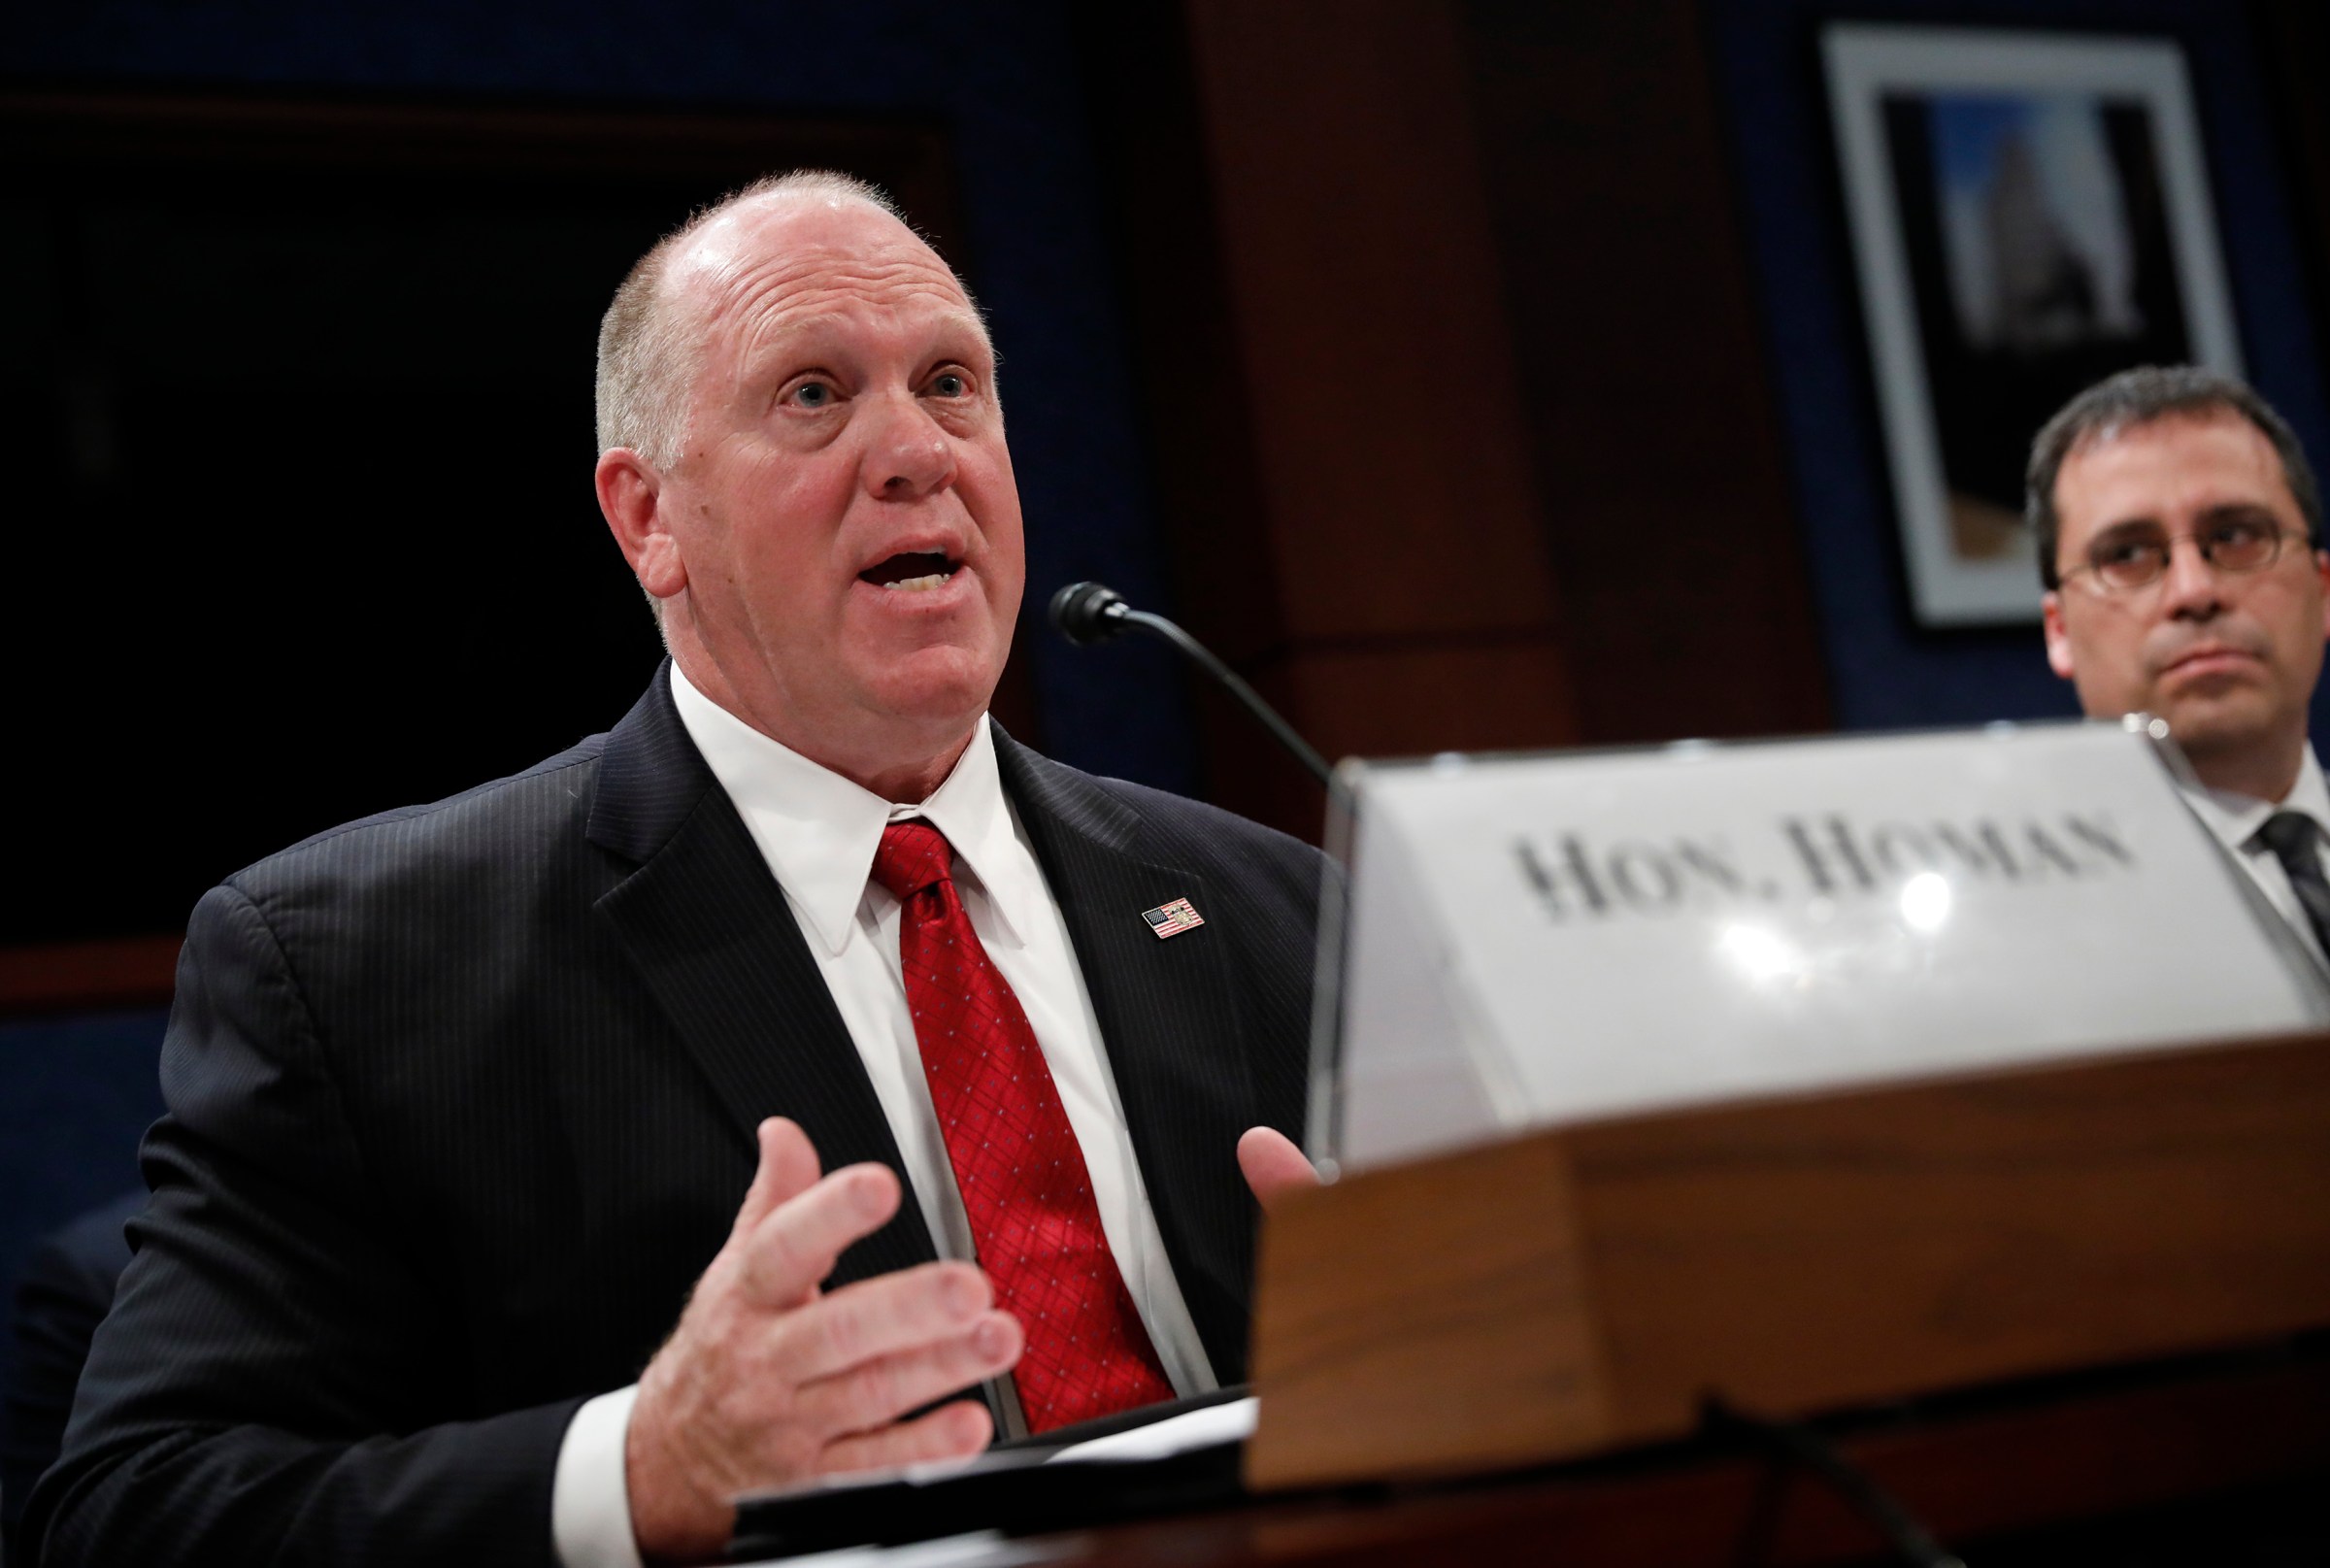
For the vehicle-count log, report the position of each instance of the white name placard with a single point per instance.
(1530, 941)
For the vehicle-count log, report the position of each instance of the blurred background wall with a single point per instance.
(1471, 374)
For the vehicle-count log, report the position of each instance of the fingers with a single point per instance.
(793, 1247)
(953, 1432)
(1274, 1167)
(883, 1316)
(876, 1392)
(762, 1375)
(788, 1167)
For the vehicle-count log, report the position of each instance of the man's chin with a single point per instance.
(938, 689)
(2220, 722)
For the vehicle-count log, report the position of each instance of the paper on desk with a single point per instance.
(981, 1549)
(1230, 1423)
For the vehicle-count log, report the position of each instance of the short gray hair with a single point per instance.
(2139, 398)
(650, 346)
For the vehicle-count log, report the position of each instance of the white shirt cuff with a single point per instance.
(591, 1506)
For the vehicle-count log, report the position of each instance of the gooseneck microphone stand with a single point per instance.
(1087, 613)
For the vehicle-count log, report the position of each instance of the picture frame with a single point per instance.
(2029, 212)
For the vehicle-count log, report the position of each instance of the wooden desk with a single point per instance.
(1570, 1291)
(1971, 1466)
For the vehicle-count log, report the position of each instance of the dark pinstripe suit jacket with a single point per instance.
(460, 1104)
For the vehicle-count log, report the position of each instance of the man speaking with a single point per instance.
(469, 1102)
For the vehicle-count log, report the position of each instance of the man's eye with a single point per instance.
(811, 395)
(2238, 533)
(2127, 551)
(950, 384)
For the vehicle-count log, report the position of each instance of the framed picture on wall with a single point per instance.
(2029, 212)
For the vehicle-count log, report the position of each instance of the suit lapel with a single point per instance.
(1170, 1023)
(717, 946)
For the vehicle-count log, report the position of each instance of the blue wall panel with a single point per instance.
(76, 1095)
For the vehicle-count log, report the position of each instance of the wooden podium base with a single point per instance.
(1586, 1288)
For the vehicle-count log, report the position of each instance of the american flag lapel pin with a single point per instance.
(1172, 919)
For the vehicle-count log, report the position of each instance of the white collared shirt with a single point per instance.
(2235, 819)
(818, 831)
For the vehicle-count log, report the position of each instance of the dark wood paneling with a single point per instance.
(1457, 388)
(1340, 445)
(1204, 469)
(1371, 333)
(73, 977)
(1685, 600)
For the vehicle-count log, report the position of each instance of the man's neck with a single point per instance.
(903, 766)
(905, 786)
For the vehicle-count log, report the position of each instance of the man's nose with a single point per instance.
(2192, 588)
(908, 455)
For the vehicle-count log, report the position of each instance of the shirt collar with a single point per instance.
(2235, 819)
(818, 830)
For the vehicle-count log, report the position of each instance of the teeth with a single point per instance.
(916, 584)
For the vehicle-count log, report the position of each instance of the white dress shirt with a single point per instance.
(818, 831)
(2235, 820)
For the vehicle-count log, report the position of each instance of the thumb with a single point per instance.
(1274, 1167)
(788, 1167)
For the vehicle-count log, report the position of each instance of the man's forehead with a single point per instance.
(789, 262)
(2177, 458)
(2170, 438)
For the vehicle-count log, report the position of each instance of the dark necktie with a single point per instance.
(1015, 1159)
(2293, 837)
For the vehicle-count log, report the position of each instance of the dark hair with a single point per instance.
(2139, 398)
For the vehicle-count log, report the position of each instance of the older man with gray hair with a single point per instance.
(468, 1102)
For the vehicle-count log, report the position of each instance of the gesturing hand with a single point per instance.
(767, 1380)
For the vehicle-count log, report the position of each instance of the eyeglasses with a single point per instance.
(2129, 562)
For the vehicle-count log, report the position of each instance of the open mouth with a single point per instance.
(910, 572)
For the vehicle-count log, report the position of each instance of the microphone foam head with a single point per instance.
(1082, 612)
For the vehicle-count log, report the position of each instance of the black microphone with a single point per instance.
(1087, 612)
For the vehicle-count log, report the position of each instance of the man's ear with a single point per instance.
(631, 500)
(2058, 640)
(2321, 572)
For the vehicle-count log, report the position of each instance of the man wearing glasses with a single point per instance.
(2179, 528)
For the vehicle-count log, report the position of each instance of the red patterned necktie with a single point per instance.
(1015, 1158)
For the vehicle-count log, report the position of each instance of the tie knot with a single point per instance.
(2288, 834)
(913, 855)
